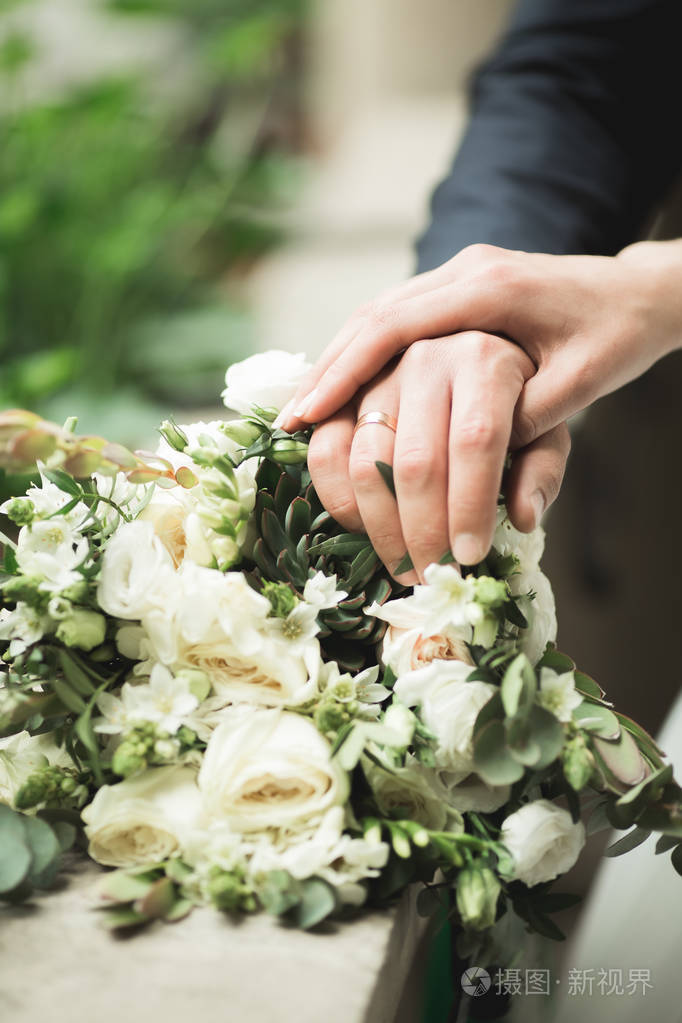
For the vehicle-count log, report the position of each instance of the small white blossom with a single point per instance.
(52, 550)
(558, 693)
(447, 599)
(321, 591)
(22, 627)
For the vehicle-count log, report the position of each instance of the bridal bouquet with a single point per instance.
(227, 695)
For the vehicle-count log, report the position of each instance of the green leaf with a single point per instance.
(280, 893)
(519, 686)
(123, 918)
(70, 699)
(386, 473)
(158, 901)
(44, 847)
(561, 663)
(657, 779)
(676, 858)
(77, 678)
(342, 546)
(490, 711)
(493, 761)
(362, 568)
(317, 902)
(520, 742)
(65, 482)
(665, 843)
(643, 739)
(597, 720)
(429, 900)
(627, 842)
(121, 886)
(10, 563)
(179, 910)
(587, 686)
(15, 853)
(622, 758)
(548, 733)
(297, 519)
(405, 565)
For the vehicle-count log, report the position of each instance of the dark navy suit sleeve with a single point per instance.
(575, 132)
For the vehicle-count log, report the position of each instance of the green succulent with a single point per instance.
(297, 538)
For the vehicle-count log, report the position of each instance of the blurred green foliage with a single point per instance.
(128, 205)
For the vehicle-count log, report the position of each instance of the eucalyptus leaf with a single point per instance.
(597, 720)
(548, 733)
(317, 902)
(493, 760)
(15, 852)
(676, 858)
(628, 842)
(665, 844)
(44, 846)
(519, 686)
(622, 757)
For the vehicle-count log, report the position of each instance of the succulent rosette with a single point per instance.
(239, 706)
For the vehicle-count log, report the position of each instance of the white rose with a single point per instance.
(269, 769)
(449, 708)
(268, 379)
(137, 572)
(540, 612)
(167, 512)
(543, 840)
(472, 794)
(143, 819)
(416, 792)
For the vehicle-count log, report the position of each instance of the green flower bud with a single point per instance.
(173, 435)
(289, 452)
(477, 892)
(242, 432)
(166, 749)
(26, 588)
(577, 762)
(76, 592)
(330, 716)
(230, 892)
(491, 592)
(21, 511)
(186, 737)
(485, 631)
(128, 760)
(82, 628)
(198, 682)
(281, 597)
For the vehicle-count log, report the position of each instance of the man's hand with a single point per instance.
(589, 323)
(453, 400)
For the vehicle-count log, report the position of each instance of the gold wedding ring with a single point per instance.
(380, 418)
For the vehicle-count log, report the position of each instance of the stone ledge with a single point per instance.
(59, 963)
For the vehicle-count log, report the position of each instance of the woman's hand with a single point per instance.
(453, 400)
(589, 323)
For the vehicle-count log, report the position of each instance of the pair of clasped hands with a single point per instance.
(488, 354)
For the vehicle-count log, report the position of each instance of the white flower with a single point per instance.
(416, 793)
(447, 599)
(526, 547)
(48, 499)
(143, 819)
(137, 572)
(543, 841)
(167, 511)
(21, 755)
(326, 852)
(52, 550)
(130, 497)
(558, 693)
(269, 769)
(296, 633)
(268, 379)
(540, 612)
(321, 591)
(23, 626)
(449, 708)
(165, 700)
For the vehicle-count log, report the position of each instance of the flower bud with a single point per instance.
(478, 890)
(289, 452)
(577, 762)
(82, 628)
(21, 510)
(402, 721)
(173, 435)
(242, 432)
(26, 588)
(491, 592)
(281, 597)
(485, 631)
(198, 682)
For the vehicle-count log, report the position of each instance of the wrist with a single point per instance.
(656, 271)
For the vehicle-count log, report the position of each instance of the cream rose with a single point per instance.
(267, 379)
(269, 769)
(144, 819)
(407, 649)
(472, 794)
(449, 707)
(415, 791)
(543, 841)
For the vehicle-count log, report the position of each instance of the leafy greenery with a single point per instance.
(126, 206)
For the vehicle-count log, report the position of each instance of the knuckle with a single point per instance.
(342, 507)
(526, 427)
(321, 453)
(427, 541)
(363, 471)
(479, 432)
(381, 315)
(416, 465)
(478, 252)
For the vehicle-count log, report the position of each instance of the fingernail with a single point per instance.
(283, 415)
(468, 549)
(537, 501)
(305, 404)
